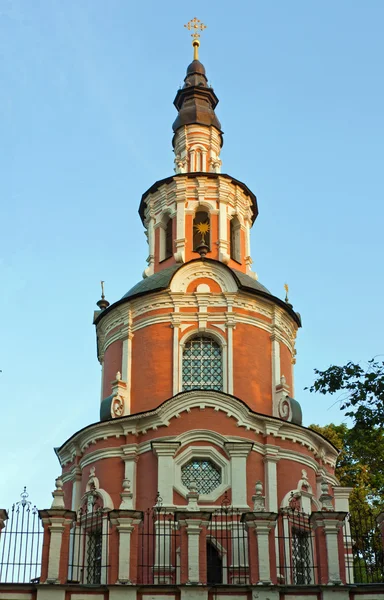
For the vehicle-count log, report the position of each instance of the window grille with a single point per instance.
(296, 560)
(301, 557)
(168, 239)
(202, 365)
(204, 473)
(94, 556)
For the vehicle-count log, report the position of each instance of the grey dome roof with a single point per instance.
(162, 279)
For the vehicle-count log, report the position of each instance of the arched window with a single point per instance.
(202, 365)
(166, 239)
(201, 230)
(235, 248)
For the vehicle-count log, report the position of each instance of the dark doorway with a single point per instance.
(214, 565)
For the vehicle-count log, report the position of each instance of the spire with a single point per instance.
(196, 101)
(103, 303)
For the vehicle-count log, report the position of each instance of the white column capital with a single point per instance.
(165, 448)
(241, 449)
(130, 452)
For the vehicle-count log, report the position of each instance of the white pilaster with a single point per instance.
(231, 324)
(180, 227)
(271, 459)
(238, 452)
(262, 523)
(124, 361)
(193, 533)
(151, 246)
(130, 458)
(275, 372)
(165, 452)
(76, 488)
(176, 326)
(128, 379)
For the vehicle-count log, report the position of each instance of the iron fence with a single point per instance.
(89, 542)
(227, 547)
(364, 554)
(159, 546)
(296, 561)
(21, 543)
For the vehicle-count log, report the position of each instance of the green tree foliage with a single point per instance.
(360, 463)
(362, 391)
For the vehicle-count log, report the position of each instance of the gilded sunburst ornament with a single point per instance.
(203, 229)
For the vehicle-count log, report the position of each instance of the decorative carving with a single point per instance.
(284, 408)
(294, 501)
(304, 484)
(117, 406)
(258, 498)
(58, 494)
(126, 496)
(326, 498)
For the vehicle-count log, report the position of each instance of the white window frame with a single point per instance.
(219, 339)
(205, 453)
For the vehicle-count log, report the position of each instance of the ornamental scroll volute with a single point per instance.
(119, 406)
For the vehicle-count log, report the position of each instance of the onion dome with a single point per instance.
(196, 101)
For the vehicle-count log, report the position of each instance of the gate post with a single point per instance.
(263, 523)
(57, 521)
(194, 521)
(331, 523)
(125, 521)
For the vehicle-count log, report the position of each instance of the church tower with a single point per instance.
(199, 472)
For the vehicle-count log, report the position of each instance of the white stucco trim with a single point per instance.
(207, 452)
(191, 271)
(209, 333)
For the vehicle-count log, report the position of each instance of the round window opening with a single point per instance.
(204, 473)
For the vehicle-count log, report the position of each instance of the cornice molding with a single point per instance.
(186, 402)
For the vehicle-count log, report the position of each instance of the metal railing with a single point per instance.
(21, 543)
(227, 547)
(364, 553)
(296, 560)
(159, 547)
(89, 545)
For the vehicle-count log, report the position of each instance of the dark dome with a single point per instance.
(196, 67)
(162, 279)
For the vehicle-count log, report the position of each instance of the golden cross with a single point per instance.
(286, 291)
(195, 25)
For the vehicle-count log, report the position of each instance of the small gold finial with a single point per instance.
(196, 25)
(103, 303)
(286, 291)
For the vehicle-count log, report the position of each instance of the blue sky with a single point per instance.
(86, 113)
